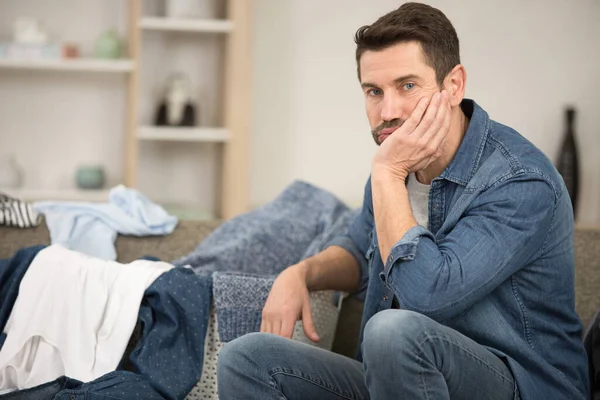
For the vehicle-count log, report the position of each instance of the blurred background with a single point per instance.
(212, 107)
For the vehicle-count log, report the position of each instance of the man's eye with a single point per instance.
(375, 92)
(408, 86)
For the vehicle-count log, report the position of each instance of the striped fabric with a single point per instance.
(17, 213)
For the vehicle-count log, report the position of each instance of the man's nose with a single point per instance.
(392, 107)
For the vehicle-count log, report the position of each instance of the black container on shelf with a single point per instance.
(568, 160)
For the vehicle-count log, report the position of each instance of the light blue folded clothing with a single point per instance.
(92, 228)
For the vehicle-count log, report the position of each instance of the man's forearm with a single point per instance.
(332, 269)
(391, 209)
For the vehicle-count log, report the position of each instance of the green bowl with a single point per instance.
(90, 178)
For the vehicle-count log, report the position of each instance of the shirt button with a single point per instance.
(390, 258)
(385, 298)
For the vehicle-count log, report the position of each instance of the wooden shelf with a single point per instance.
(183, 134)
(95, 196)
(186, 25)
(84, 65)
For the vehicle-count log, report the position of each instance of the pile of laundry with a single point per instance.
(74, 322)
(68, 317)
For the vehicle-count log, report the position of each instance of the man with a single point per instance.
(463, 246)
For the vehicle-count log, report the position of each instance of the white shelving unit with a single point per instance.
(226, 131)
(186, 25)
(231, 132)
(83, 65)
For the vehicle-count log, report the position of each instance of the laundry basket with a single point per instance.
(325, 316)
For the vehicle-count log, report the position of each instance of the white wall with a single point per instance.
(526, 60)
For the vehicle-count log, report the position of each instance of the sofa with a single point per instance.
(189, 233)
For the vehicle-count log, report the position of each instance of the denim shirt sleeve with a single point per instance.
(504, 228)
(357, 240)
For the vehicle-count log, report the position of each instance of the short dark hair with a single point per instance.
(413, 22)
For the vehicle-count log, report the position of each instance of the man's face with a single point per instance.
(393, 80)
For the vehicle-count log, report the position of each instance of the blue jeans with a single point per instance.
(406, 356)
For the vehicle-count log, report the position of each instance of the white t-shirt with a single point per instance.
(418, 194)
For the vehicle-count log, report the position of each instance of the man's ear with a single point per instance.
(455, 84)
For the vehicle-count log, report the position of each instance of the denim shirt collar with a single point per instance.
(466, 161)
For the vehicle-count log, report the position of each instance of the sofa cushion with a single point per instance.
(587, 272)
(188, 234)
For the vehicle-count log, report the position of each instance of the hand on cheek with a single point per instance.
(417, 143)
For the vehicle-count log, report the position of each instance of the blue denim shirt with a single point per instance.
(496, 262)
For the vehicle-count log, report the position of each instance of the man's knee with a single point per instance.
(251, 354)
(236, 355)
(393, 333)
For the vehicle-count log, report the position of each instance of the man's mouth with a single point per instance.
(387, 131)
(382, 136)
